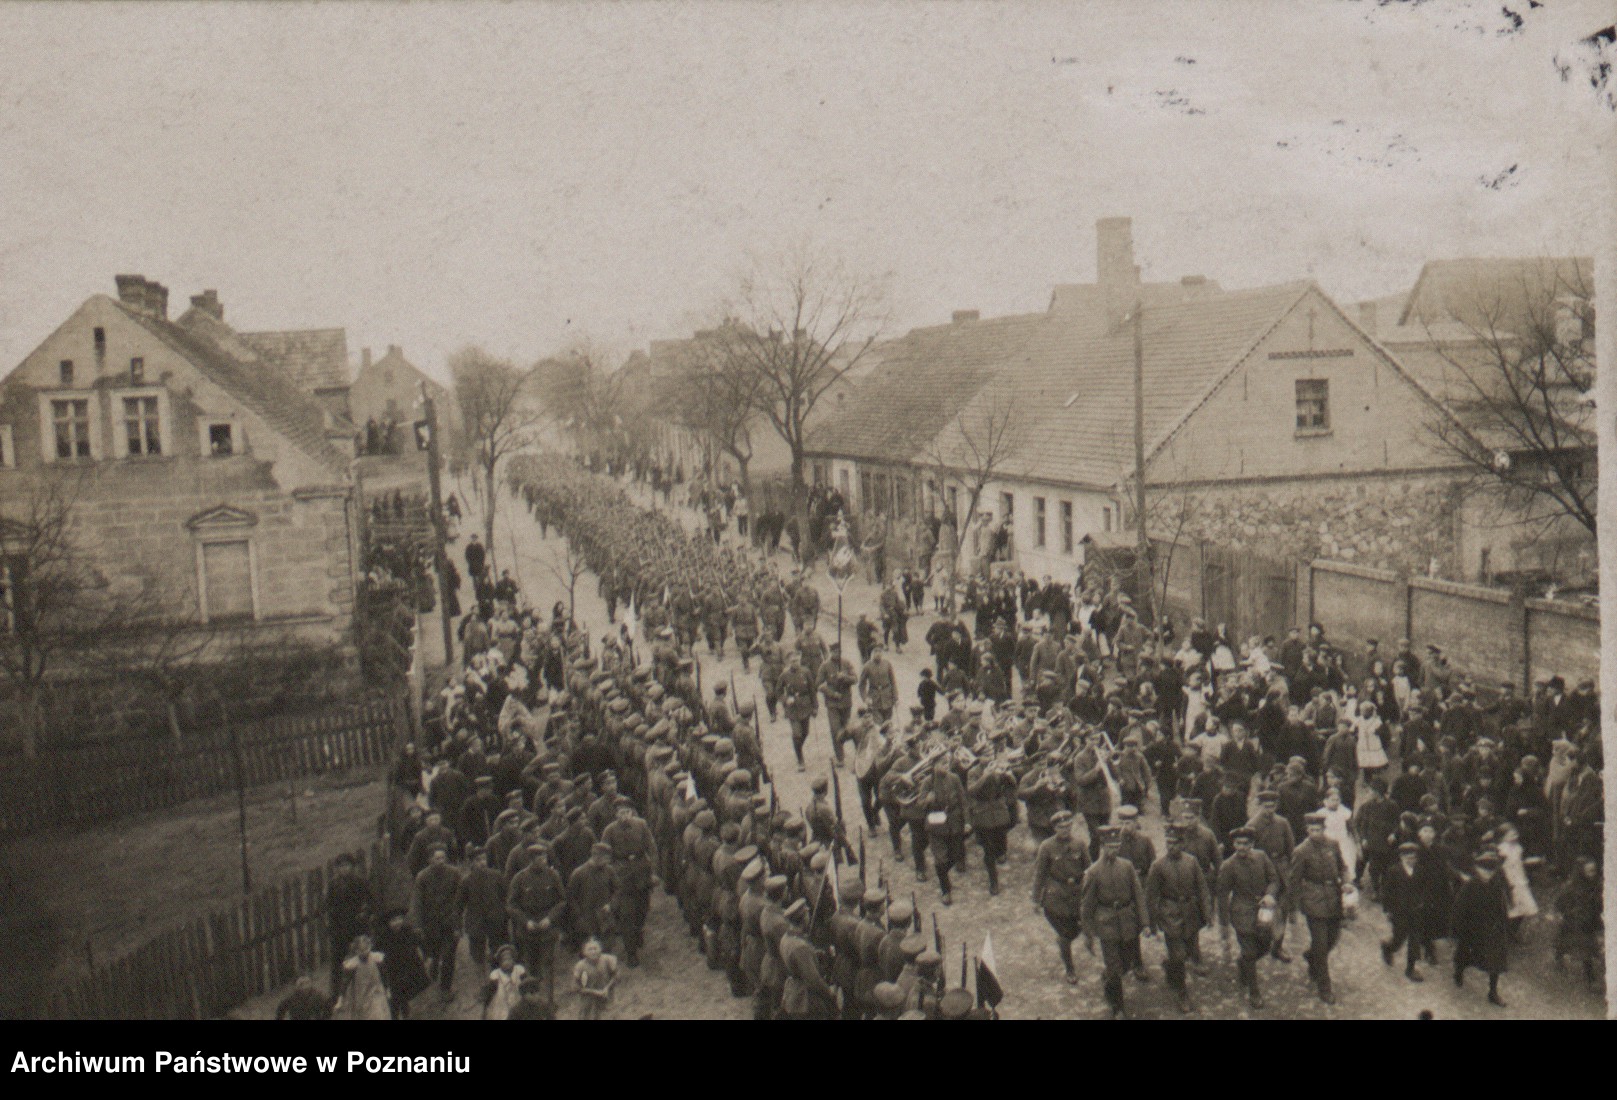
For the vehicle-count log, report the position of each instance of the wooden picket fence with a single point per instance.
(201, 970)
(78, 787)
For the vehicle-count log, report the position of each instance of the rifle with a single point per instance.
(915, 913)
(862, 880)
(763, 764)
(840, 842)
(937, 942)
(962, 964)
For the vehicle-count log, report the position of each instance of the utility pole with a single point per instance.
(1142, 548)
(430, 412)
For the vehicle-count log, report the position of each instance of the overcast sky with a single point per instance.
(523, 175)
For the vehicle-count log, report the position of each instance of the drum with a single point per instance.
(937, 823)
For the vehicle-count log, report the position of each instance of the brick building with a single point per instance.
(202, 463)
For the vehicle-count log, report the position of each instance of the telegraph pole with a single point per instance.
(430, 412)
(1142, 548)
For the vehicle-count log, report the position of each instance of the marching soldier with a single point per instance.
(744, 625)
(1180, 904)
(1314, 883)
(836, 678)
(868, 938)
(1137, 848)
(806, 995)
(771, 668)
(797, 690)
(878, 685)
(634, 857)
(1247, 892)
(536, 903)
(823, 825)
(1058, 877)
(1272, 835)
(845, 930)
(1114, 913)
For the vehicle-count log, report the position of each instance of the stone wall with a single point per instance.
(1394, 523)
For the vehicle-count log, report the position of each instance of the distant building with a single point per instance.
(210, 467)
(390, 389)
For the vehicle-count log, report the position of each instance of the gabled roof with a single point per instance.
(315, 359)
(212, 347)
(395, 360)
(1081, 391)
(919, 383)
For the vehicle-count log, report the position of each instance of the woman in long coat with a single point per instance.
(403, 969)
(364, 996)
(1481, 925)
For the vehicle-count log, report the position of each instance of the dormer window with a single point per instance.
(137, 371)
(221, 440)
(65, 371)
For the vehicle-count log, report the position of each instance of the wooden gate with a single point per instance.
(1250, 594)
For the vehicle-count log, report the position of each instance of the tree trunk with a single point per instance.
(33, 721)
(488, 515)
(173, 706)
(800, 507)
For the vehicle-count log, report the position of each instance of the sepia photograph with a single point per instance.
(807, 511)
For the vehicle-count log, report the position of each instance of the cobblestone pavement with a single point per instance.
(674, 982)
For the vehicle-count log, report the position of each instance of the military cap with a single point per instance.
(1243, 833)
(1060, 818)
(1175, 832)
(819, 861)
(913, 946)
(1192, 806)
(1408, 848)
(793, 824)
(1128, 813)
(729, 832)
(956, 1004)
(724, 746)
(618, 705)
(741, 777)
(1110, 834)
(746, 709)
(811, 849)
(873, 902)
(760, 810)
(797, 911)
(436, 848)
(1315, 818)
(775, 884)
(929, 958)
(1268, 798)
(706, 820)
(474, 850)
(485, 781)
(1490, 860)
(913, 1014)
(600, 849)
(753, 870)
(820, 784)
(887, 996)
(853, 891)
(623, 802)
(900, 912)
(686, 662)
(505, 949)
(746, 854)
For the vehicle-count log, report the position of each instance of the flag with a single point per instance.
(989, 991)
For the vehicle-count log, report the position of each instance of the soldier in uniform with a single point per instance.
(836, 678)
(481, 903)
(1272, 835)
(536, 903)
(943, 794)
(878, 686)
(715, 622)
(824, 826)
(992, 792)
(807, 995)
(845, 926)
(797, 690)
(1180, 904)
(772, 927)
(1203, 846)
(1314, 885)
(1058, 876)
(433, 911)
(1094, 800)
(868, 938)
(772, 610)
(744, 625)
(1137, 848)
(771, 667)
(750, 909)
(1247, 894)
(590, 894)
(1114, 913)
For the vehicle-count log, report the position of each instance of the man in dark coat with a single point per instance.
(1404, 898)
(590, 892)
(349, 908)
(1481, 925)
(433, 910)
(1180, 904)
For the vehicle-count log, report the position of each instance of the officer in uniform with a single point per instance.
(744, 625)
(771, 668)
(836, 678)
(1247, 893)
(1058, 877)
(1314, 883)
(797, 691)
(1180, 903)
(1114, 913)
(878, 685)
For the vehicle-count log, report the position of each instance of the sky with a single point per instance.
(529, 176)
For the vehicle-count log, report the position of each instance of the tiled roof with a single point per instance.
(211, 346)
(315, 359)
(920, 382)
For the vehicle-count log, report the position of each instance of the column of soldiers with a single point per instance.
(1100, 719)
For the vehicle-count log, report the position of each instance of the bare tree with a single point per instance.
(1518, 411)
(568, 570)
(497, 420)
(592, 402)
(169, 655)
(974, 450)
(798, 329)
(58, 609)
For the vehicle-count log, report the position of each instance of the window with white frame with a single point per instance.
(225, 583)
(143, 429)
(70, 422)
(1038, 521)
(1313, 405)
(1066, 527)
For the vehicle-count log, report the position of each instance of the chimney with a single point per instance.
(1115, 271)
(157, 300)
(365, 359)
(1367, 317)
(393, 349)
(960, 315)
(208, 302)
(132, 291)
